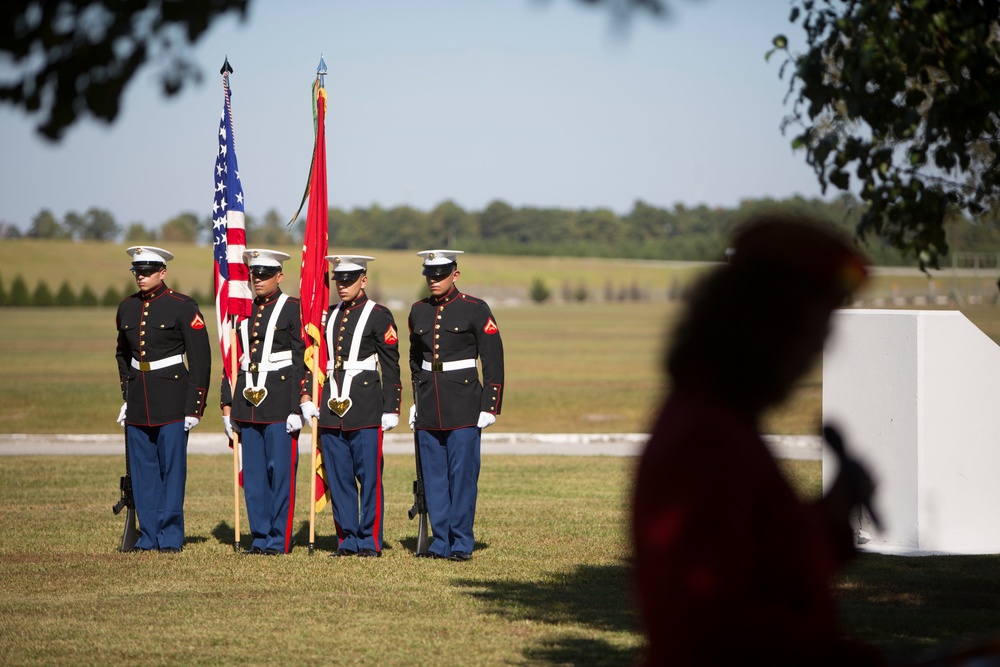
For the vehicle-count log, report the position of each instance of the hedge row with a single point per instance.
(20, 296)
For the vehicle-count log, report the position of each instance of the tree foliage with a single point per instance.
(182, 228)
(137, 233)
(65, 295)
(69, 58)
(42, 296)
(46, 226)
(899, 102)
(99, 225)
(18, 295)
(271, 233)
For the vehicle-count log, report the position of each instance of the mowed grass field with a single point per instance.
(549, 584)
(585, 367)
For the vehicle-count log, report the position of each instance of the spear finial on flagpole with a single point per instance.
(321, 71)
(226, 67)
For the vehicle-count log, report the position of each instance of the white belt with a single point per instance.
(369, 364)
(273, 363)
(439, 366)
(146, 366)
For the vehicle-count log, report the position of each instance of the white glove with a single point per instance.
(293, 423)
(486, 419)
(228, 423)
(121, 415)
(309, 410)
(413, 416)
(190, 422)
(389, 421)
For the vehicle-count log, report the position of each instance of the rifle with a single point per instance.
(419, 497)
(849, 465)
(130, 534)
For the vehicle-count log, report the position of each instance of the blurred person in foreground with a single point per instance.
(731, 565)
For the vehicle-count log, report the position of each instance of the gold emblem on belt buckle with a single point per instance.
(255, 395)
(437, 366)
(144, 367)
(340, 405)
(338, 365)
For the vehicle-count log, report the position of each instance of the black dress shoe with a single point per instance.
(170, 550)
(340, 553)
(272, 552)
(252, 551)
(369, 553)
(460, 556)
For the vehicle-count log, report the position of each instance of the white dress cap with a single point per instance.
(440, 257)
(261, 257)
(349, 263)
(147, 254)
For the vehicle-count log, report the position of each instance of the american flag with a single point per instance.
(232, 289)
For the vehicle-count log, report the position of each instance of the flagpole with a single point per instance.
(225, 71)
(236, 438)
(312, 466)
(314, 266)
(321, 80)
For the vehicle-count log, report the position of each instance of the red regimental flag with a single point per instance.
(314, 279)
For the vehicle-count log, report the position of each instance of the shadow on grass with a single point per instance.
(328, 542)
(915, 606)
(593, 596)
(581, 651)
(410, 544)
(324, 542)
(224, 533)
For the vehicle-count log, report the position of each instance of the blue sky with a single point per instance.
(536, 103)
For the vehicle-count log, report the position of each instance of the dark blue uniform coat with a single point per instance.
(157, 327)
(270, 453)
(454, 329)
(352, 444)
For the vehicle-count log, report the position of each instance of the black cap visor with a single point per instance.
(439, 270)
(264, 272)
(147, 266)
(347, 276)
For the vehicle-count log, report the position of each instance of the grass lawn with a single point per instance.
(548, 585)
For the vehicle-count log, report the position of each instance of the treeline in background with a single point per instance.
(646, 232)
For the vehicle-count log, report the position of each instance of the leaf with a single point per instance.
(840, 178)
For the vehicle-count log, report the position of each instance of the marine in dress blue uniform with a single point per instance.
(359, 403)
(164, 398)
(449, 330)
(264, 407)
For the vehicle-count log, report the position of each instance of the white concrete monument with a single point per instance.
(916, 395)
